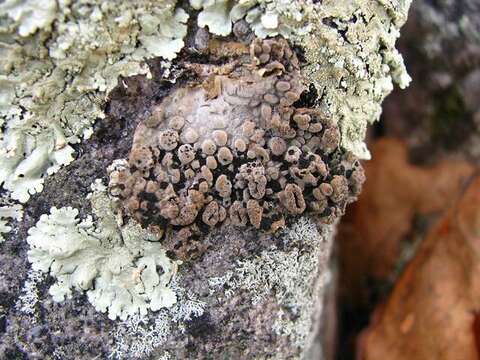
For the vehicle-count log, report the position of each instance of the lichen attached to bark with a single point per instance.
(7, 214)
(124, 270)
(58, 61)
(261, 134)
(236, 146)
(353, 63)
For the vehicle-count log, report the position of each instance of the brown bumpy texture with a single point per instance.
(238, 146)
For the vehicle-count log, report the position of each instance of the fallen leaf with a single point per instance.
(371, 233)
(433, 311)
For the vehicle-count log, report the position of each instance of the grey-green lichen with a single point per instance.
(8, 213)
(138, 336)
(58, 61)
(265, 17)
(353, 62)
(28, 300)
(350, 50)
(30, 15)
(291, 274)
(123, 269)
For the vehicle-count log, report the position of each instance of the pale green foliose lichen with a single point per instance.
(8, 213)
(58, 61)
(30, 15)
(123, 269)
(350, 50)
(138, 336)
(266, 17)
(353, 61)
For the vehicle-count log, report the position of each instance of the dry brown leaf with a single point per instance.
(395, 191)
(433, 312)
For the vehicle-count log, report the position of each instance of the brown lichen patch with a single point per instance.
(219, 49)
(232, 147)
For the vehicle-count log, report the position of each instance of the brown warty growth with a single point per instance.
(236, 147)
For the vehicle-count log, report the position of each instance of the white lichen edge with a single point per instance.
(124, 270)
(139, 336)
(265, 17)
(352, 58)
(7, 213)
(54, 80)
(28, 300)
(353, 63)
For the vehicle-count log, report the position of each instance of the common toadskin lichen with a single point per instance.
(236, 146)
